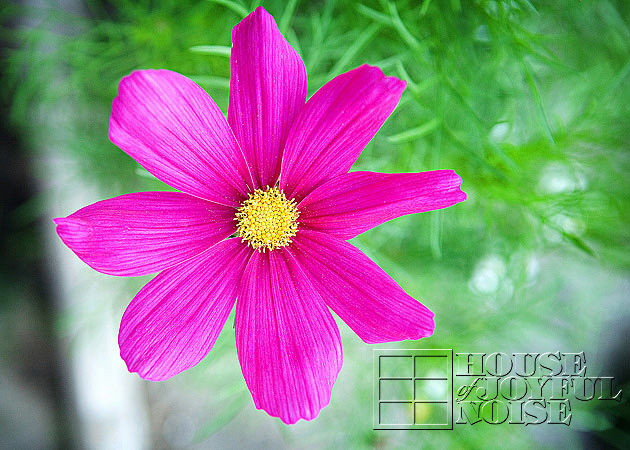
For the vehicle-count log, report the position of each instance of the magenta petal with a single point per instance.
(359, 291)
(175, 319)
(144, 232)
(267, 90)
(352, 203)
(171, 127)
(335, 125)
(287, 341)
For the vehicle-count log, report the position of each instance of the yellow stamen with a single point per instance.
(267, 220)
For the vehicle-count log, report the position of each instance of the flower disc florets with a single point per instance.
(267, 219)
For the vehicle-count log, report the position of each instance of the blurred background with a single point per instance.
(527, 100)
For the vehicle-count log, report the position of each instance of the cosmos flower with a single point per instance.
(265, 205)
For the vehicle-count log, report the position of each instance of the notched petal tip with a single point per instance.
(260, 11)
(431, 331)
(456, 183)
(290, 420)
(72, 230)
(258, 15)
(127, 84)
(141, 367)
(425, 329)
(451, 183)
(137, 366)
(396, 85)
(429, 325)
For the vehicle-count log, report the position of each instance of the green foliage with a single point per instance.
(526, 100)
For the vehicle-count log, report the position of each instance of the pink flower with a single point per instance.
(265, 209)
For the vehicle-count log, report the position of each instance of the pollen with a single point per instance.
(267, 220)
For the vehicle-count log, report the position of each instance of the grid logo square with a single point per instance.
(396, 390)
(413, 389)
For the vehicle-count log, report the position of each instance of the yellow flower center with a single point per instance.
(267, 220)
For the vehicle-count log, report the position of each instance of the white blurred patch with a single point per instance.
(532, 269)
(569, 224)
(500, 132)
(563, 224)
(437, 388)
(488, 275)
(558, 178)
